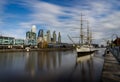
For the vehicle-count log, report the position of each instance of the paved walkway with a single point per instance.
(111, 69)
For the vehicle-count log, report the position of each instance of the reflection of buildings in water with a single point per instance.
(42, 61)
(11, 59)
(6, 60)
(31, 62)
(59, 58)
(48, 60)
(27, 55)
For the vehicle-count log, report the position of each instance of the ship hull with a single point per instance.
(84, 53)
(81, 51)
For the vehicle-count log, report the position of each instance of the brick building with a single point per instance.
(117, 42)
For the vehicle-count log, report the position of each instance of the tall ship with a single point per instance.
(85, 41)
(85, 46)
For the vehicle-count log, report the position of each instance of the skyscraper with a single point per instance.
(30, 35)
(54, 36)
(59, 38)
(33, 29)
(40, 33)
(48, 36)
(45, 38)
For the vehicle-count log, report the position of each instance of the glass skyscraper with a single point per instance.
(40, 33)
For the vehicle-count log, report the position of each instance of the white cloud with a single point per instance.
(2, 5)
(111, 21)
(17, 33)
(100, 7)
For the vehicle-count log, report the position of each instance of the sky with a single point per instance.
(18, 16)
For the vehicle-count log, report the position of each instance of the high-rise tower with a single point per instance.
(33, 29)
(48, 36)
(40, 33)
(31, 36)
(59, 38)
(54, 36)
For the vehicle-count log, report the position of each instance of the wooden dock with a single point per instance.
(111, 69)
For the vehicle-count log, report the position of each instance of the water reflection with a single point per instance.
(84, 70)
(47, 62)
(42, 61)
(85, 57)
(50, 65)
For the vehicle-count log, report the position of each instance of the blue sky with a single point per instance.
(18, 16)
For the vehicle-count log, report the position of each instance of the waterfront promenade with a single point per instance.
(111, 69)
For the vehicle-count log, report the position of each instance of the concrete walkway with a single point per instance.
(111, 69)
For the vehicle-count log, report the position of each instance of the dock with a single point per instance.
(111, 69)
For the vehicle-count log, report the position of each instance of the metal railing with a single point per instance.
(116, 52)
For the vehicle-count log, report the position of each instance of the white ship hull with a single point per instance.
(84, 49)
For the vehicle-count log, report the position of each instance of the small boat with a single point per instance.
(27, 49)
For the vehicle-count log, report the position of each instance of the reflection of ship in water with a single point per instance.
(84, 57)
(42, 61)
(83, 70)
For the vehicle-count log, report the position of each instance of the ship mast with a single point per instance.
(90, 38)
(81, 30)
(88, 33)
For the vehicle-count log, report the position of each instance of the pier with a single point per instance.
(111, 68)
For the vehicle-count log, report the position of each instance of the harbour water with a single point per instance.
(50, 66)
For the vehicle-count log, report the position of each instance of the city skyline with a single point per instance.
(18, 16)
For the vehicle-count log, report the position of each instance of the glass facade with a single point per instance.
(6, 40)
(40, 33)
(30, 38)
(19, 42)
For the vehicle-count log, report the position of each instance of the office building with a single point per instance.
(45, 38)
(40, 33)
(33, 29)
(31, 36)
(48, 36)
(4, 40)
(59, 38)
(54, 37)
(19, 42)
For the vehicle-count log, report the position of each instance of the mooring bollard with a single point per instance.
(106, 52)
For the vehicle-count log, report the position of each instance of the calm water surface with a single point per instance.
(50, 66)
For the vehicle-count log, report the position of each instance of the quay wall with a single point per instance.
(44, 49)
